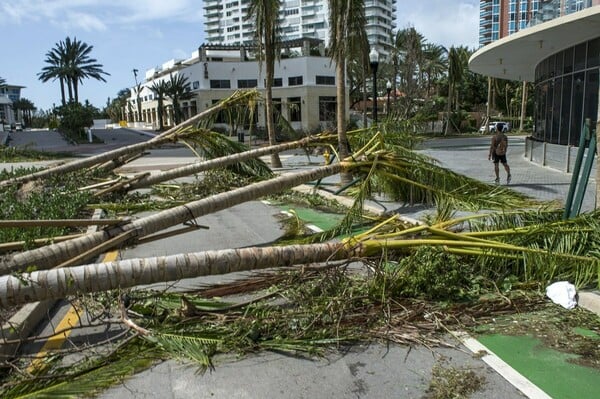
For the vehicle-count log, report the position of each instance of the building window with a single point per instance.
(276, 109)
(247, 83)
(325, 80)
(220, 84)
(327, 109)
(196, 85)
(277, 82)
(221, 116)
(295, 81)
(295, 109)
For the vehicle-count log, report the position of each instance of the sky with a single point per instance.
(142, 34)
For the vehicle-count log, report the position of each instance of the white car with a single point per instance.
(494, 126)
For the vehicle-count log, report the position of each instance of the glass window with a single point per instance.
(295, 81)
(220, 84)
(577, 107)
(593, 59)
(247, 83)
(221, 116)
(325, 80)
(555, 133)
(295, 109)
(549, 111)
(558, 66)
(568, 61)
(276, 109)
(565, 110)
(277, 82)
(591, 96)
(327, 109)
(580, 50)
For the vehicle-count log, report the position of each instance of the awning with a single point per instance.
(515, 57)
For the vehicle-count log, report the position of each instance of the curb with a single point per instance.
(24, 322)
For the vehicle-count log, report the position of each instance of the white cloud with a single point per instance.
(442, 21)
(98, 14)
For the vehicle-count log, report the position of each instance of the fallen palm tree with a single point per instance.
(237, 157)
(171, 135)
(375, 164)
(549, 251)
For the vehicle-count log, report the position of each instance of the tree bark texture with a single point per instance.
(197, 167)
(54, 254)
(59, 283)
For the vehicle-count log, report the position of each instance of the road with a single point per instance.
(365, 371)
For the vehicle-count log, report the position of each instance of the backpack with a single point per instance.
(501, 143)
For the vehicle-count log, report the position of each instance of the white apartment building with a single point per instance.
(8, 95)
(225, 22)
(304, 89)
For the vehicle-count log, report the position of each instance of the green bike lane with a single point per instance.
(556, 373)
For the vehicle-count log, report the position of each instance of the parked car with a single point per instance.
(18, 127)
(496, 126)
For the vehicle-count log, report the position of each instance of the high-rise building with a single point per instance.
(225, 22)
(500, 18)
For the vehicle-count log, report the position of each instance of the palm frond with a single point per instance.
(214, 145)
(87, 379)
(198, 349)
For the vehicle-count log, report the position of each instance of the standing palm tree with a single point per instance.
(347, 23)
(70, 62)
(56, 68)
(81, 66)
(265, 15)
(138, 101)
(410, 45)
(160, 89)
(457, 65)
(26, 107)
(178, 89)
(434, 64)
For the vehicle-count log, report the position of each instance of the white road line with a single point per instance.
(511, 375)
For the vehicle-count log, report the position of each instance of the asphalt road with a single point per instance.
(374, 371)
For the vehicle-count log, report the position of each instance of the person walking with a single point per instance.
(497, 154)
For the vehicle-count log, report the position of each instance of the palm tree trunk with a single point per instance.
(197, 167)
(54, 254)
(275, 161)
(160, 110)
(59, 283)
(62, 91)
(76, 90)
(343, 145)
(131, 149)
(523, 107)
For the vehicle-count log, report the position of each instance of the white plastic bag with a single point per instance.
(562, 293)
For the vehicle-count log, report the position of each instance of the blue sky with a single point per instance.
(140, 34)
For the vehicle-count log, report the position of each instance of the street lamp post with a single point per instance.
(388, 88)
(374, 62)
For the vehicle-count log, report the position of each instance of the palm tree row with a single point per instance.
(70, 63)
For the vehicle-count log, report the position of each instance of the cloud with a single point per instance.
(443, 22)
(99, 14)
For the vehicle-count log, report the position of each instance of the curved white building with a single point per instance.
(562, 58)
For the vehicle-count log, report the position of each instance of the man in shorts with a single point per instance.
(498, 154)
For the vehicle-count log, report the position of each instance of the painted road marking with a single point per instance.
(56, 341)
(511, 375)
